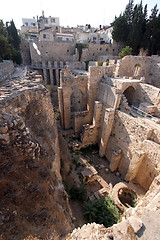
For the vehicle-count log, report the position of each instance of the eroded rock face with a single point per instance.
(32, 197)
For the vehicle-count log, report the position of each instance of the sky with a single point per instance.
(71, 13)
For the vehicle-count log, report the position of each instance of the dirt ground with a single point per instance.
(73, 164)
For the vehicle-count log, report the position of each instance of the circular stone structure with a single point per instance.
(127, 197)
(124, 196)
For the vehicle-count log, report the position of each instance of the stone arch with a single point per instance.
(137, 68)
(129, 94)
(76, 101)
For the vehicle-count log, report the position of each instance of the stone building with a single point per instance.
(121, 114)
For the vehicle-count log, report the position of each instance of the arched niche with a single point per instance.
(137, 68)
(129, 94)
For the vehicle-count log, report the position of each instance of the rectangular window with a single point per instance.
(53, 20)
(94, 38)
(46, 36)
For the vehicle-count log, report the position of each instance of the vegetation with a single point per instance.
(9, 43)
(125, 51)
(135, 29)
(78, 193)
(100, 63)
(102, 211)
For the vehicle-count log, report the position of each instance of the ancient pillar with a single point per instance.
(57, 77)
(106, 130)
(135, 165)
(97, 113)
(61, 105)
(51, 72)
(115, 159)
(44, 72)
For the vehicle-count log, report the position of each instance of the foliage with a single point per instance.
(78, 193)
(125, 51)
(135, 29)
(102, 211)
(100, 63)
(9, 43)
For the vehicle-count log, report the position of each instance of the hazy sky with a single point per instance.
(70, 12)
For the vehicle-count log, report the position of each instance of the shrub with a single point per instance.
(100, 63)
(102, 211)
(125, 51)
(78, 193)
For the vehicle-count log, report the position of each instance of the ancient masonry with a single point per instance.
(115, 106)
(30, 166)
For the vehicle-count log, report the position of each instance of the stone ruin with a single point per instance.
(116, 107)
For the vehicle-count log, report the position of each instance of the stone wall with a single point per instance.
(25, 52)
(32, 197)
(155, 74)
(147, 94)
(128, 138)
(70, 84)
(52, 51)
(93, 51)
(6, 69)
(135, 66)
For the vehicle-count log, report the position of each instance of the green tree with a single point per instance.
(14, 40)
(120, 29)
(102, 211)
(135, 29)
(5, 47)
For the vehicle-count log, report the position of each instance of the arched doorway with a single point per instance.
(129, 94)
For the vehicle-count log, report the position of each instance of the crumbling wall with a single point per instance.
(33, 199)
(127, 134)
(25, 52)
(6, 69)
(93, 51)
(134, 66)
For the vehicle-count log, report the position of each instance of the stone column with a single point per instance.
(115, 159)
(57, 77)
(97, 113)
(51, 72)
(106, 130)
(61, 105)
(67, 110)
(61, 64)
(44, 72)
(134, 165)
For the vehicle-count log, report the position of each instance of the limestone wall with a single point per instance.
(72, 85)
(52, 51)
(127, 134)
(150, 165)
(6, 69)
(95, 50)
(107, 94)
(155, 74)
(32, 191)
(25, 52)
(134, 66)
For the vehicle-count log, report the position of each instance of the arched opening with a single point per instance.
(137, 70)
(129, 94)
(76, 101)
